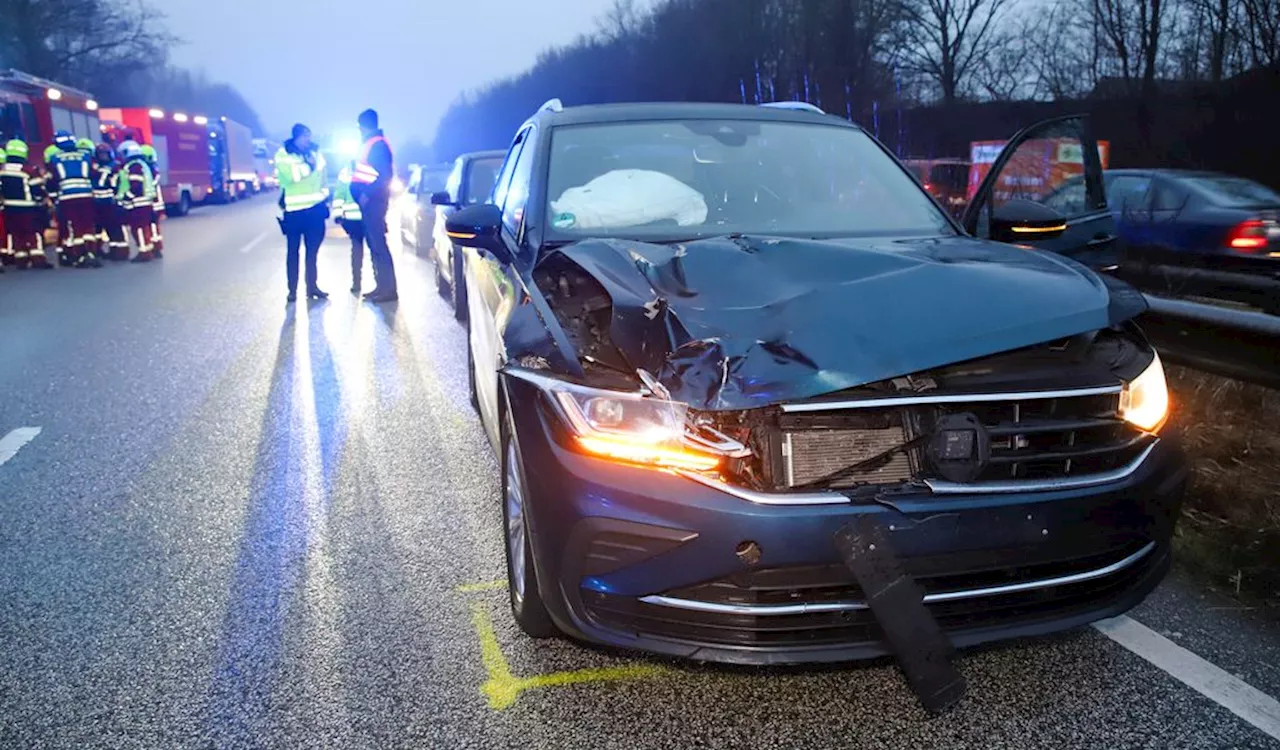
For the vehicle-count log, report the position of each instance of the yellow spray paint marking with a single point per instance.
(473, 588)
(502, 688)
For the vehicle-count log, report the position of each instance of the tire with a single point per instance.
(471, 377)
(460, 310)
(442, 286)
(522, 579)
(184, 205)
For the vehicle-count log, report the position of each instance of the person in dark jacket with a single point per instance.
(371, 189)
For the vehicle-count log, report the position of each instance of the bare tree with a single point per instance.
(1262, 30)
(1131, 30)
(946, 39)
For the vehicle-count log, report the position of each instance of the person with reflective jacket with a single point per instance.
(72, 188)
(112, 243)
(157, 206)
(371, 187)
(347, 214)
(135, 194)
(22, 189)
(304, 202)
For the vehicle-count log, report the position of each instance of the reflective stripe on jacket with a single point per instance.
(303, 186)
(135, 188)
(18, 188)
(71, 170)
(344, 205)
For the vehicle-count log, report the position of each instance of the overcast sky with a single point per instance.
(323, 61)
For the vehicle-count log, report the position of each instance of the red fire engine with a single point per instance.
(182, 150)
(33, 109)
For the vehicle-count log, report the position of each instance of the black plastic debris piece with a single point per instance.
(923, 651)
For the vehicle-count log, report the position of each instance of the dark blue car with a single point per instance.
(709, 342)
(1190, 218)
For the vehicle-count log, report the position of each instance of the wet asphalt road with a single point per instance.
(246, 526)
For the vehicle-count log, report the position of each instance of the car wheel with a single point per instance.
(471, 376)
(442, 286)
(522, 580)
(184, 205)
(459, 287)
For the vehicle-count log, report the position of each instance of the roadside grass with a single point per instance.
(1230, 527)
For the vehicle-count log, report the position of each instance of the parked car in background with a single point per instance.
(1190, 218)
(947, 180)
(416, 212)
(469, 182)
(707, 341)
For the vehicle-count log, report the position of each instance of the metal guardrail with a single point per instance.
(1233, 343)
(1257, 285)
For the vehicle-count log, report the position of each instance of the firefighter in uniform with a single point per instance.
(347, 215)
(371, 187)
(304, 198)
(23, 191)
(112, 243)
(157, 206)
(73, 192)
(135, 192)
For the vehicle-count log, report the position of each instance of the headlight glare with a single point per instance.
(1144, 403)
(630, 427)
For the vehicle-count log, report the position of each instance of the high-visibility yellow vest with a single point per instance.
(343, 204)
(303, 186)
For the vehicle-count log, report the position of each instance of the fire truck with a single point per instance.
(182, 149)
(33, 109)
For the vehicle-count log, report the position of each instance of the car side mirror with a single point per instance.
(480, 226)
(442, 199)
(1021, 220)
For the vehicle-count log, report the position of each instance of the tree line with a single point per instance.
(117, 49)
(867, 58)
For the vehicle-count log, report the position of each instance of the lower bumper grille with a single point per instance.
(823, 606)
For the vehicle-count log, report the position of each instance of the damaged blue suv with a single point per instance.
(706, 340)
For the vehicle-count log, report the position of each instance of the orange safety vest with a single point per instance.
(364, 173)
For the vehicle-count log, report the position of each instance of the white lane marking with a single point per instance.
(1214, 683)
(13, 442)
(253, 242)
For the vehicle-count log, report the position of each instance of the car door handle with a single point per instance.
(1101, 239)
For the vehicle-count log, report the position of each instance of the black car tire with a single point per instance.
(184, 205)
(471, 376)
(522, 579)
(442, 286)
(459, 286)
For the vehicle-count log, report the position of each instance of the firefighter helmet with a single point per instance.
(130, 149)
(84, 144)
(64, 140)
(103, 153)
(16, 149)
(148, 151)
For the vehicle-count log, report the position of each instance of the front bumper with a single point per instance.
(648, 560)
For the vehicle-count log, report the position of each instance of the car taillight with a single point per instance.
(1248, 235)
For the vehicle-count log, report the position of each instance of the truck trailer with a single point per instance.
(233, 171)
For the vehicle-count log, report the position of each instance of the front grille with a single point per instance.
(828, 584)
(1031, 438)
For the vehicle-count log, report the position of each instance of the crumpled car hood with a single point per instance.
(741, 322)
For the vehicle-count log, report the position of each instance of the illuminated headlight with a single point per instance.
(630, 428)
(1145, 400)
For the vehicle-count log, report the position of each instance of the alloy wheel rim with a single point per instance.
(515, 523)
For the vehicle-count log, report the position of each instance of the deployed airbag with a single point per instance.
(628, 198)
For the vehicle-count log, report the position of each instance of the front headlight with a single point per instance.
(630, 427)
(1145, 400)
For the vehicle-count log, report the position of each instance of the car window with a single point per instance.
(1168, 196)
(1235, 191)
(513, 207)
(504, 175)
(484, 172)
(954, 177)
(1069, 199)
(1126, 192)
(453, 185)
(694, 178)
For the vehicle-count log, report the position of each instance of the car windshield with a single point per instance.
(484, 172)
(1234, 191)
(700, 178)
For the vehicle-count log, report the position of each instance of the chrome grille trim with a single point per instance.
(947, 398)
(766, 610)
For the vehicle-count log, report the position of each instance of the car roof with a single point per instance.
(490, 154)
(606, 113)
(1167, 172)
